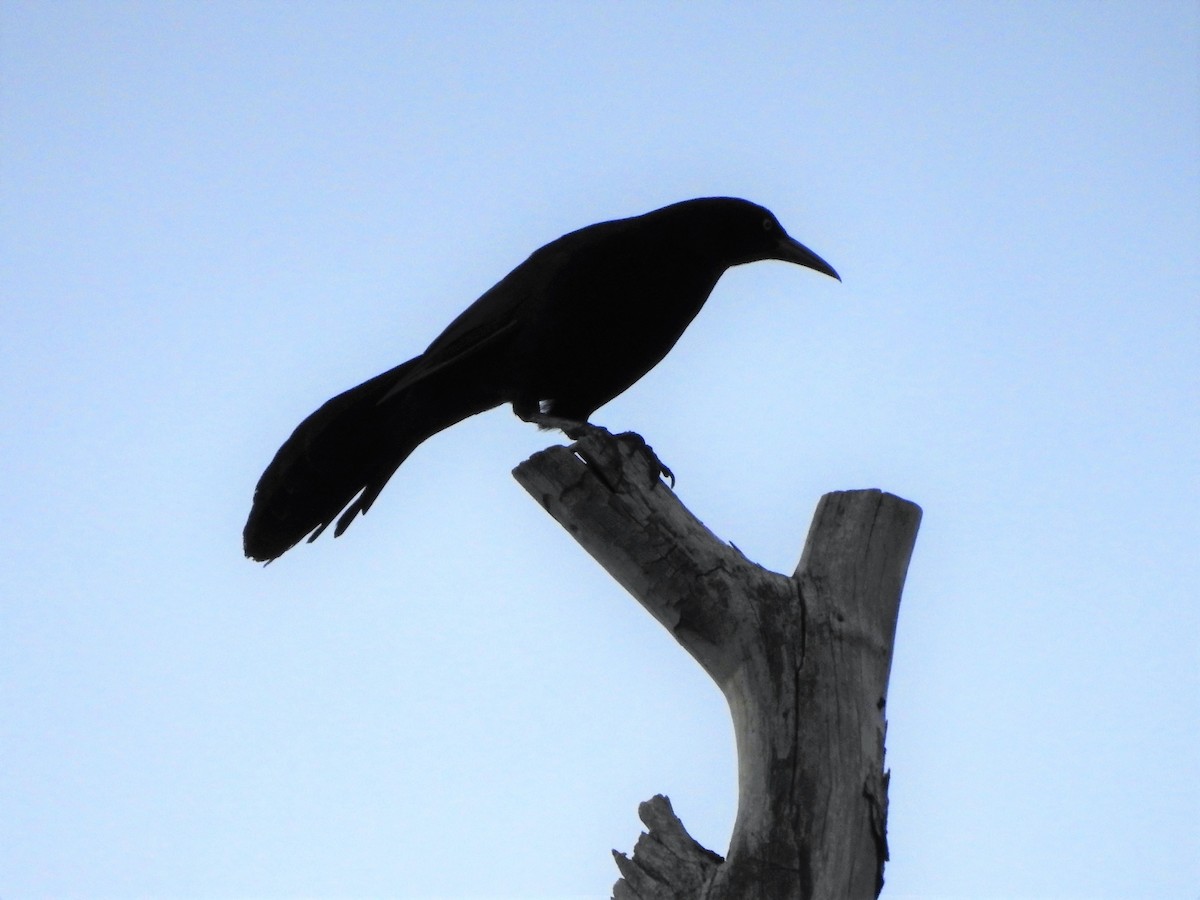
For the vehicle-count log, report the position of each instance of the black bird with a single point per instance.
(562, 334)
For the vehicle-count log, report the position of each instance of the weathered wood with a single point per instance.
(667, 862)
(803, 662)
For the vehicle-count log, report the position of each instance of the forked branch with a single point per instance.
(803, 662)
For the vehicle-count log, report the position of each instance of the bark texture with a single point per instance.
(802, 660)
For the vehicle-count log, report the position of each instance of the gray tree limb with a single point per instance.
(802, 660)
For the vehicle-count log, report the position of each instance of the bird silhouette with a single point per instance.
(569, 329)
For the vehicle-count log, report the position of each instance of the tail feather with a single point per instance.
(347, 449)
(340, 458)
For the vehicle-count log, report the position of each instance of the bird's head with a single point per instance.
(744, 232)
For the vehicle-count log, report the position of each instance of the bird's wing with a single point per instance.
(469, 343)
(499, 312)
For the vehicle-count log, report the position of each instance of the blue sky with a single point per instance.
(215, 216)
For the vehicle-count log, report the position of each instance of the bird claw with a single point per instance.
(658, 469)
(581, 431)
(614, 461)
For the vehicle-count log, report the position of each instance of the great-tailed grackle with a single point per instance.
(562, 334)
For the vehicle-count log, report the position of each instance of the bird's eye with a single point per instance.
(768, 224)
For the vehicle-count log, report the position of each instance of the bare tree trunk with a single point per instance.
(803, 662)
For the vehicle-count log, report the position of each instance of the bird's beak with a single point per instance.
(790, 250)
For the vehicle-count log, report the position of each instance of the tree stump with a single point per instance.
(803, 662)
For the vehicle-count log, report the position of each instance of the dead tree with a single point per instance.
(803, 662)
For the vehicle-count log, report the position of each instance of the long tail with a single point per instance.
(339, 458)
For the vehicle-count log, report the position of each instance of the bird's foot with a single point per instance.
(604, 455)
(601, 449)
(658, 468)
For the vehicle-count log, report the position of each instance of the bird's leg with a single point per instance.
(572, 428)
(577, 431)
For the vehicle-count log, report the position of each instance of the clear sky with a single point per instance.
(217, 215)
